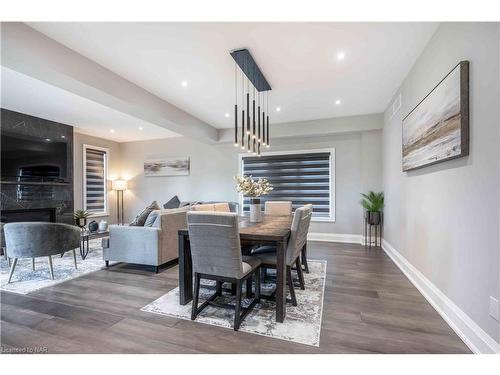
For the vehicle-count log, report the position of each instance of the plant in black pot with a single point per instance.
(80, 217)
(373, 203)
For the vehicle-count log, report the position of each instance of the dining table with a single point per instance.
(271, 230)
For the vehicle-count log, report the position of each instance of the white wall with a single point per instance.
(114, 171)
(358, 169)
(444, 219)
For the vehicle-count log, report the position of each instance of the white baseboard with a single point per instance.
(334, 237)
(471, 334)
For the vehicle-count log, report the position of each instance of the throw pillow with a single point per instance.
(143, 215)
(173, 203)
(151, 218)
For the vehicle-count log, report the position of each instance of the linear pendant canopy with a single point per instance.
(251, 83)
(248, 65)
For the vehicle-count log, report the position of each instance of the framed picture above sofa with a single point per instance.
(176, 166)
(437, 129)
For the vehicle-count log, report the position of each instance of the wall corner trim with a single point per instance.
(471, 334)
(335, 237)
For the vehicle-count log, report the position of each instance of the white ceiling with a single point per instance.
(298, 59)
(24, 94)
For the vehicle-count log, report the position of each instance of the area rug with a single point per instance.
(302, 323)
(25, 280)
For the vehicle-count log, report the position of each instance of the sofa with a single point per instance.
(152, 246)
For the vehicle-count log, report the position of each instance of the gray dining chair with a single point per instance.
(216, 255)
(278, 208)
(297, 241)
(39, 239)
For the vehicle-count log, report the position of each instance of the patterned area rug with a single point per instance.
(25, 280)
(302, 323)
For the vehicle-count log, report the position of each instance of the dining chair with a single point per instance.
(216, 255)
(297, 241)
(278, 208)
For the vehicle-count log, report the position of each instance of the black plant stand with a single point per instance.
(374, 230)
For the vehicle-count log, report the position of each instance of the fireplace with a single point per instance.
(29, 214)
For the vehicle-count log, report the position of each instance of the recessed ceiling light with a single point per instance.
(184, 83)
(337, 101)
(341, 55)
(226, 115)
(112, 130)
(278, 109)
(63, 136)
(47, 139)
(140, 128)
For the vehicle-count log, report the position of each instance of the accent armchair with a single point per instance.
(39, 239)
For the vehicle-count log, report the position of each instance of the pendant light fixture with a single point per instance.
(254, 128)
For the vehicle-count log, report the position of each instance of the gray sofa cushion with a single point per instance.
(151, 218)
(173, 203)
(140, 219)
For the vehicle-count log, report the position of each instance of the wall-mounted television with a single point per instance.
(27, 158)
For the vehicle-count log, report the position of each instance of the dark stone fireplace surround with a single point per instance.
(45, 201)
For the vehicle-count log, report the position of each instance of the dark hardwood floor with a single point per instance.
(369, 307)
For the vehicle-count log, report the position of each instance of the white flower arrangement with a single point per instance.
(252, 188)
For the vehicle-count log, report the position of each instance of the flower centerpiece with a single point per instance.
(254, 189)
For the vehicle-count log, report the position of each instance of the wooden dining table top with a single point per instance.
(271, 228)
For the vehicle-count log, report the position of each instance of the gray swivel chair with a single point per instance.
(38, 239)
(297, 241)
(216, 255)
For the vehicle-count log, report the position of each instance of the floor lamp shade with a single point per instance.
(119, 185)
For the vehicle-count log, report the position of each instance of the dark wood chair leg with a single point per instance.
(218, 287)
(249, 293)
(107, 263)
(195, 296)
(237, 312)
(262, 275)
(290, 285)
(257, 285)
(304, 258)
(300, 273)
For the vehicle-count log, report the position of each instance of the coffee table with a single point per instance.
(85, 237)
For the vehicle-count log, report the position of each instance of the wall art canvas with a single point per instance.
(178, 166)
(437, 129)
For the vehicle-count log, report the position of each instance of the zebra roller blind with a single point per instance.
(95, 163)
(301, 178)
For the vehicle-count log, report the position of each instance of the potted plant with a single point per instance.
(373, 203)
(253, 189)
(80, 217)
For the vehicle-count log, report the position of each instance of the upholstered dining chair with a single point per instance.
(298, 239)
(39, 239)
(216, 255)
(278, 208)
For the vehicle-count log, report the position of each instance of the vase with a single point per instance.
(81, 222)
(255, 210)
(103, 226)
(93, 226)
(374, 218)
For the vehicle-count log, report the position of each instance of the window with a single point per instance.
(300, 177)
(95, 171)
